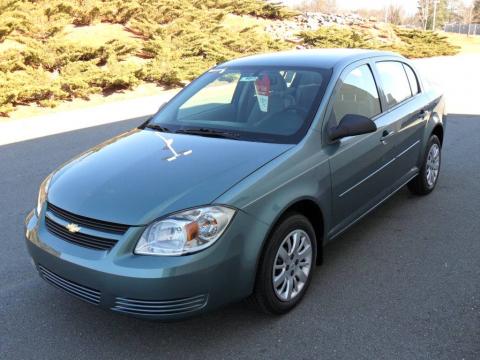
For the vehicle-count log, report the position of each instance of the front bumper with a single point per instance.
(156, 287)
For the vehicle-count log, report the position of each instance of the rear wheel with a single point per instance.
(286, 267)
(425, 181)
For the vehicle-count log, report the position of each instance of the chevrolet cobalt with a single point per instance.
(231, 190)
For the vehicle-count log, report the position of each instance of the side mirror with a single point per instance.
(351, 125)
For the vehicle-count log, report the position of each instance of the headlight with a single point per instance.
(185, 232)
(42, 194)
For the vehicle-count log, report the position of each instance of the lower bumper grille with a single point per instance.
(85, 293)
(165, 307)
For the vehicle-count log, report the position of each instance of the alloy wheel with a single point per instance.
(292, 265)
(433, 165)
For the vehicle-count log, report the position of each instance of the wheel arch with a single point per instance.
(312, 211)
(439, 132)
(434, 126)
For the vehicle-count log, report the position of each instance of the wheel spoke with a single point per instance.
(294, 243)
(289, 245)
(294, 284)
(302, 277)
(282, 254)
(288, 291)
(306, 252)
(283, 289)
(279, 279)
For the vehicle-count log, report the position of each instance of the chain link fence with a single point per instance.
(467, 29)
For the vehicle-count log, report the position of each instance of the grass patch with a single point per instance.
(467, 44)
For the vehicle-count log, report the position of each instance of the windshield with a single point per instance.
(266, 104)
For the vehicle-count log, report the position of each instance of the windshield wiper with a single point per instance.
(209, 133)
(158, 128)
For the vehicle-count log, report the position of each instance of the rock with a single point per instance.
(288, 29)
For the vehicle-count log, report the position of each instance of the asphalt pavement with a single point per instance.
(404, 283)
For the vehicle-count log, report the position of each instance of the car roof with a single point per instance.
(315, 58)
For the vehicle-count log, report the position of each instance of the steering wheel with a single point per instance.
(267, 118)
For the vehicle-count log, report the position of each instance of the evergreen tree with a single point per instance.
(428, 8)
(476, 11)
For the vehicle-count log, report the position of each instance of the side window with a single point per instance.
(357, 94)
(394, 82)
(412, 79)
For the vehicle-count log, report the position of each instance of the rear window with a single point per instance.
(394, 82)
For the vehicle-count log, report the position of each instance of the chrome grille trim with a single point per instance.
(82, 292)
(159, 307)
(94, 224)
(89, 241)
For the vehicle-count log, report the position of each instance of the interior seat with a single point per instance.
(276, 99)
(307, 89)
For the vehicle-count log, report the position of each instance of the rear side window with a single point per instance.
(412, 79)
(394, 82)
(357, 95)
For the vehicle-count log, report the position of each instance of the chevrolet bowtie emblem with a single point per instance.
(73, 228)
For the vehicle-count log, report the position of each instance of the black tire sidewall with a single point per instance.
(264, 288)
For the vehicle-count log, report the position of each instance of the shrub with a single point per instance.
(82, 12)
(420, 44)
(335, 37)
(179, 39)
(410, 43)
(26, 86)
(11, 60)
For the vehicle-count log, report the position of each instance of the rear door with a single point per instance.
(405, 108)
(360, 165)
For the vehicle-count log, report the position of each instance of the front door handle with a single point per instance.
(385, 135)
(424, 113)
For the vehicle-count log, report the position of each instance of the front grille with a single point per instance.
(89, 241)
(85, 293)
(159, 307)
(87, 222)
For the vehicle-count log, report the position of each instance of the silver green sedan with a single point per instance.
(231, 190)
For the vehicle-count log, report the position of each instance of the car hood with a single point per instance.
(141, 175)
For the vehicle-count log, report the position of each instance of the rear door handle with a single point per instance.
(385, 135)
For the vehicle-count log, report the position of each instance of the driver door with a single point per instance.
(360, 165)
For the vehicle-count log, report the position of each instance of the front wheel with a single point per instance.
(286, 267)
(425, 181)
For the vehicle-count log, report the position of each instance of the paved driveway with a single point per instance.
(402, 284)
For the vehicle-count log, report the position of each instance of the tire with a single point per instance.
(266, 296)
(425, 182)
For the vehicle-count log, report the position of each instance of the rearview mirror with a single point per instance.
(351, 125)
